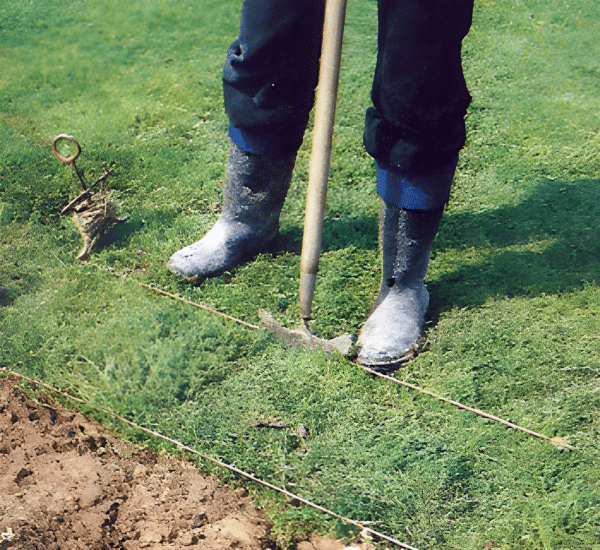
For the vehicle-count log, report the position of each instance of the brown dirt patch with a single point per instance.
(68, 483)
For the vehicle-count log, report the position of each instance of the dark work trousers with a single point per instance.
(415, 128)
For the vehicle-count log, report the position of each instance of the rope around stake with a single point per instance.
(216, 461)
(559, 442)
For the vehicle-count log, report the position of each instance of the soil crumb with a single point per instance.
(68, 483)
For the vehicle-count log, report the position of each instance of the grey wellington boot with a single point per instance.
(255, 190)
(398, 315)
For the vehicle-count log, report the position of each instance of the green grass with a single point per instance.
(514, 324)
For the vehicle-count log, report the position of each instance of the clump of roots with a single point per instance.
(93, 216)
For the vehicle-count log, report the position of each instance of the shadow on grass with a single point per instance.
(360, 232)
(548, 243)
(7, 296)
(120, 233)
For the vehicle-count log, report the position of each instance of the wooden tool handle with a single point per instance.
(331, 51)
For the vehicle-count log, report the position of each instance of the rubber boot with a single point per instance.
(389, 336)
(255, 190)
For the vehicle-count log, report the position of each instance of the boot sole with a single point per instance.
(386, 367)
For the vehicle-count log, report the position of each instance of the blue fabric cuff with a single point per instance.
(266, 144)
(244, 142)
(418, 192)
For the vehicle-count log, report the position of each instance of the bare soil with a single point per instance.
(68, 483)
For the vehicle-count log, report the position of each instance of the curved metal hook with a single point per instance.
(66, 160)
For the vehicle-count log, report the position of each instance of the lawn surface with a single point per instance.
(514, 324)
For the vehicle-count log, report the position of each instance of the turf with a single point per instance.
(513, 328)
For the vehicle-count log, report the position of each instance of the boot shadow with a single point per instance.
(547, 244)
(361, 232)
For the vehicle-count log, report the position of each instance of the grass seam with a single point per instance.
(559, 442)
(556, 441)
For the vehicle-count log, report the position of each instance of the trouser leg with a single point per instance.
(271, 73)
(416, 127)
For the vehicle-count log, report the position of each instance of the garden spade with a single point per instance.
(331, 50)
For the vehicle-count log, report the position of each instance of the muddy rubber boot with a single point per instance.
(397, 317)
(255, 189)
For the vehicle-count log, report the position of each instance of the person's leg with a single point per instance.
(269, 82)
(414, 131)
